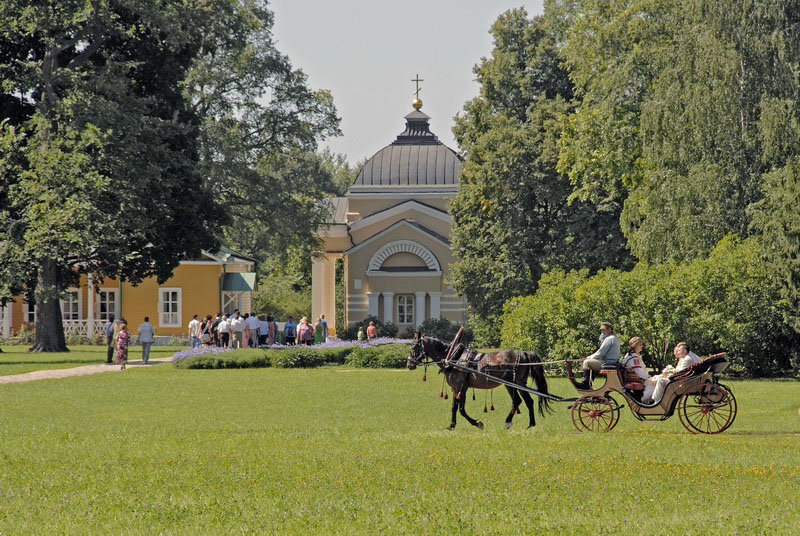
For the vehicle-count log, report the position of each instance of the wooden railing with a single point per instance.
(81, 328)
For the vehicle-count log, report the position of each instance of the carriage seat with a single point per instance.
(620, 370)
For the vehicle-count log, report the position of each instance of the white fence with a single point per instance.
(80, 328)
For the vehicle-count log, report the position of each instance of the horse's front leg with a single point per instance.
(462, 397)
(529, 402)
(453, 411)
(515, 400)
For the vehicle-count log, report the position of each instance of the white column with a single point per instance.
(323, 289)
(90, 305)
(419, 304)
(373, 303)
(388, 307)
(7, 309)
(436, 304)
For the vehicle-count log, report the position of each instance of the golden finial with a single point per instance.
(417, 102)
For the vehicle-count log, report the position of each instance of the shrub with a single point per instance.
(384, 330)
(384, 356)
(726, 302)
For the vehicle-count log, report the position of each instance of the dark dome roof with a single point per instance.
(416, 158)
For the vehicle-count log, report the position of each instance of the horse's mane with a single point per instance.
(440, 346)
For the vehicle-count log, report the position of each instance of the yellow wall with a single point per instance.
(200, 294)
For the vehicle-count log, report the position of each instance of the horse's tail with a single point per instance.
(537, 372)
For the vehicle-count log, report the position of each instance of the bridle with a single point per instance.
(423, 359)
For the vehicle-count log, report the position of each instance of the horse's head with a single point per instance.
(417, 355)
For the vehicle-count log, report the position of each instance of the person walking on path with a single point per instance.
(319, 332)
(290, 331)
(109, 340)
(123, 340)
(146, 333)
(194, 331)
(372, 332)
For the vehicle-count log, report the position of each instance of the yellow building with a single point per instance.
(392, 232)
(221, 281)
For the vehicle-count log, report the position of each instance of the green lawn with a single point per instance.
(321, 451)
(16, 359)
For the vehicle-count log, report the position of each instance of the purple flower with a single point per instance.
(200, 350)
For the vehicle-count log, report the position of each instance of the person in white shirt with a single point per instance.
(635, 370)
(237, 328)
(194, 331)
(253, 326)
(263, 330)
(146, 334)
(223, 330)
(684, 358)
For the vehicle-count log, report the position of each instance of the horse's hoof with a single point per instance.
(479, 424)
(451, 427)
(507, 425)
(532, 427)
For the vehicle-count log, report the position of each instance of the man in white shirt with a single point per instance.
(224, 331)
(146, 334)
(684, 358)
(194, 331)
(253, 326)
(237, 328)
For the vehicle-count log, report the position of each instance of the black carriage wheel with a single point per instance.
(595, 413)
(710, 409)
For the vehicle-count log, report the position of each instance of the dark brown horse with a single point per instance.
(510, 365)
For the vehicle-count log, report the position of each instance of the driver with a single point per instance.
(607, 354)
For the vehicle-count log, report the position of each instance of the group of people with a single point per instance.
(251, 331)
(371, 332)
(118, 339)
(609, 354)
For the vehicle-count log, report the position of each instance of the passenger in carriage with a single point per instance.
(635, 370)
(607, 354)
(684, 359)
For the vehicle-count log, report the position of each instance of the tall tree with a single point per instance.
(678, 101)
(260, 130)
(99, 158)
(512, 217)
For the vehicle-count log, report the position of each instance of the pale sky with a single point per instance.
(367, 51)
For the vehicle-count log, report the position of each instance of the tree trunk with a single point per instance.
(49, 335)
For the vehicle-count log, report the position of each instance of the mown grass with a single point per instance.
(17, 360)
(327, 450)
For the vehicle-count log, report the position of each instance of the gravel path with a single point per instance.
(75, 371)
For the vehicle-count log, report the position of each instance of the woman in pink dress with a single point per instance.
(123, 340)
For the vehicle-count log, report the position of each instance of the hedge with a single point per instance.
(727, 302)
(387, 355)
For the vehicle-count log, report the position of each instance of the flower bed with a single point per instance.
(200, 350)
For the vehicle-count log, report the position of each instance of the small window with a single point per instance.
(71, 306)
(29, 313)
(169, 307)
(106, 304)
(405, 309)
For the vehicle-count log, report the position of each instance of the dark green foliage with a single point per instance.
(726, 302)
(383, 330)
(439, 328)
(513, 218)
(383, 356)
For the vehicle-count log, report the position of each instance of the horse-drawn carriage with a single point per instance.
(704, 405)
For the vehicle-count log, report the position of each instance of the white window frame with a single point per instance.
(98, 313)
(179, 309)
(405, 308)
(72, 303)
(29, 313)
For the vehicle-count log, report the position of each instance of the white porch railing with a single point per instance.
(81, 328)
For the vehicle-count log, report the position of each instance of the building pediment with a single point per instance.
(409, 225)
(402, 211)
